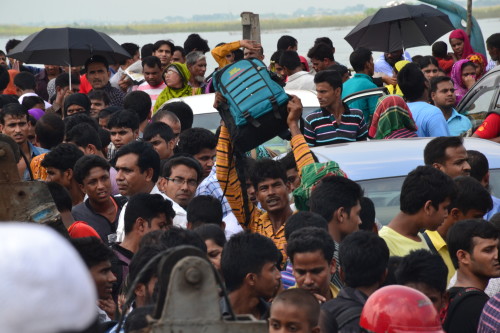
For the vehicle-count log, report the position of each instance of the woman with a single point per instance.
(461, 46)
(463, 74)
(394, 89)
(429, 67)
(176, 76)
(392, 119)
(76, 103)
(214, 239)
(480, 64)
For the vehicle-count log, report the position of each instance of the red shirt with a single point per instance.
(490, 128)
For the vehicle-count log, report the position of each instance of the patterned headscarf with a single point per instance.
(392, 115)
(478, 61)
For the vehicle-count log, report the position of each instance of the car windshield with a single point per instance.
(384, 192)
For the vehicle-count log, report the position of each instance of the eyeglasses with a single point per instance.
(182, 181)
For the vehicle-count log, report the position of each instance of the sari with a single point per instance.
(392, 119)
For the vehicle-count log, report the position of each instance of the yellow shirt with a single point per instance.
(398, 244)
(334, 290)
(442, 249)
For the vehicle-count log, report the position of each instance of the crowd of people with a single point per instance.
(295, 241)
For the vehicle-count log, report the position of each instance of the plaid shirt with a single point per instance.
(116, 96)
(210, 186)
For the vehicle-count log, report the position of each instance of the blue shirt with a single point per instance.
(35, 151)
(357, 83)
(382, 66)
(458, 123)
(429, 119)
(494, 210)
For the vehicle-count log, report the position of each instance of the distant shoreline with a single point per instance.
(266, 24)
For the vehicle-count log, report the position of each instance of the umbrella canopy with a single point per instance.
(67, 46)
(399, 27)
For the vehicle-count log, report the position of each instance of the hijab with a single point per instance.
(168, 93)
(77, 99)
(456, 76)
(460, 34)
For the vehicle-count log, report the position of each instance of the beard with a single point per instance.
(199, 78)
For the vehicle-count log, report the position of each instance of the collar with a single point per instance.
(363, 75)
(454, 114)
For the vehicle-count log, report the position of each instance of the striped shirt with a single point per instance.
(321, 128)
(228, 179)
(153, 92)
(490, 318)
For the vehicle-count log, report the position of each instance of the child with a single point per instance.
(295, 309)
(440, 52)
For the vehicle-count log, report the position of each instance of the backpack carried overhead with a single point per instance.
(256, 105)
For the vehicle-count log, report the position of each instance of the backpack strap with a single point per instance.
(429, 242)
(348, 315)
(455, 301)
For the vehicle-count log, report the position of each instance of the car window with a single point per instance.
(210, 121)
(495, 182)
(481, 102)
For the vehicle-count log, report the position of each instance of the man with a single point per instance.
(473, 248)
(223, 51)
(25, 86)
(138, 168)
(493, 46)
(415, 87)
(101, 209)
(269, 180)
(180, 177)
(63, 90)
(249, 266)
(98, 74)
(97, 257)
(162, 49)
(447, 154)
(311, 252)
(14, 123)
(297, 78)
(480, 170)
(197, 65)
(321, 56)
(256, 52)
(202, 210)
(123, 127)
(178, 55)
(200, 143)
(384, 65)
(120, 80)
(472, 201)
(16, 64)
(140, 103)
(154, 85)
(99, 100)
(425, 196)
(443, 96)
(364, 257)
(170, 119)
(42, 79)
(362, 62)
(194, 42)
(334, 122)
(287, 43)
(161, 136)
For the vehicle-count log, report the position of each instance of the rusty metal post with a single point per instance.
(469, 17)
(251, 26)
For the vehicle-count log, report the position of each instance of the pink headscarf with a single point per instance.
(456, 76)
(460, 34)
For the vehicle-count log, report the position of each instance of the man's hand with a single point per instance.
(124, 83)
(250, 44)
(108, 306)
(294, 108)
(319, 298)
(389, 80)
(218, 99)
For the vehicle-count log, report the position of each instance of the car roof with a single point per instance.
(202, 104)
(374, 159)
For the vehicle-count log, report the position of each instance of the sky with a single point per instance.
(113, 11)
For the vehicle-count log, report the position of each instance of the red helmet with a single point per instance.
(398, 309)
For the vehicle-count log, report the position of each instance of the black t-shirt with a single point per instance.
(464, 316)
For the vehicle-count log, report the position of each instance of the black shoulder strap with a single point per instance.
(455, 301)
(429, 242)
(348, 315)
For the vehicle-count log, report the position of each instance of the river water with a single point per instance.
(305, 38)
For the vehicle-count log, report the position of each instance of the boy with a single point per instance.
(440, 52)
(294, 310)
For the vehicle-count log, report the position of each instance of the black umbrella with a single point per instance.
(400, 27)
(67, 47)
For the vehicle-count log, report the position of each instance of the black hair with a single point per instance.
(99, 95)
(321, 51)
(7, 99)
(276, 56)
(152, 62)
(204, 209)
(61, 197)
(194, 42)
(85, 164)
(423, 184)
(189, 162)
(195, 139)
(180, 49)
(140, 259)
(435, 150)
(104, 137)
(176, 236)
(83, 135)
(392, 266)
(495, 220)
(106, 112)
(423, 266)
(137, 319)
(333, 78)
(62, 80)
(62, 157)
(311, 239)
(180, 109)
(437, 80)
(238, 54)
(162, 42)
(426, 61)
(288, 161)
(159, 128)
(285, 41)
(412, 82)
(246, 253)
(11, 43)
(290, 60)
(14, 110)
(4, 78)
(125, 119)
(147, 157)
(147, 50)
(301, 220)
(146, 206)
(493, 41)
(479, 165)
(363, 257)
(359, 58)
(324, 40)
(341, 69)
(131, 48)
(25, 81)
(302, 299)
(78, 118)
(440, 49)
(139, 102)
(92, 250)
(471, 195)
(461, 234)
(332, 193)
(267, 168)
(30, 101)
(96, 59)
(49, 130)
(213, 232)
(367, 214)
